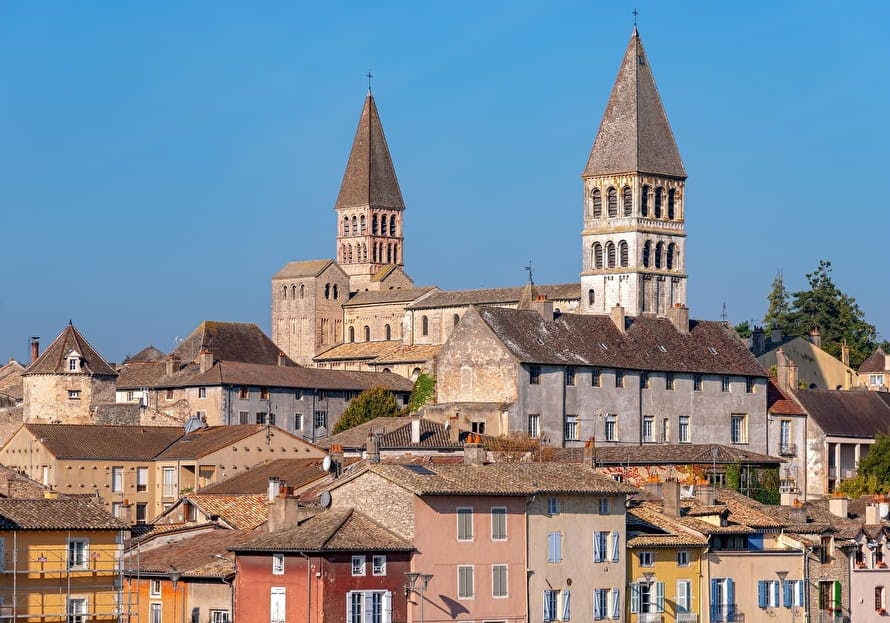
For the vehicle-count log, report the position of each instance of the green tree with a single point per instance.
(779, 306)
(371, 403)
(873, 473)
(743, 329)
(834, 313)
(423, 392)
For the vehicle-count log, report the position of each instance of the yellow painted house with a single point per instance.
(60, 561)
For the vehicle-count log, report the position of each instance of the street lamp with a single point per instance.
(413, 587)
(174, 576)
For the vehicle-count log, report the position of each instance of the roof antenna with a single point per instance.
(369, 75)
(723, 313)
(528, 269)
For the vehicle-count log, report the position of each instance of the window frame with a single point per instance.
(534, 375)
(553, 506)
(683, 558)
(154, 587)
(464, 532)
(610, 427)
(596, 377)
(683, 428)
(117, 479)
(739, 437)
(277, 564)
(619, 379)
(646, 558)
(359, 565)
(505, 582)
(498, 520)
(697, 382)
(378, 564)
(78, 553)
(725, 383)
(534, 425)
(469, 573)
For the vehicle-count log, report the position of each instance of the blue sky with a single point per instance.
(160, 161)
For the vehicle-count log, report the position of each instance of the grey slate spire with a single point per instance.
(370, 178)
(635, 135)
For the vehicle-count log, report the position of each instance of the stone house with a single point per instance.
(787, 437)
(816, 369)
(874, 373)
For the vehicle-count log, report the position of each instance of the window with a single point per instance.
(767, 593)
(550, 604)
(619, 378)
(465, 582)
(599, 546)
(78, 553)
(464, 524)
(591, 297)
(534, 424)
(647, 253)
(351, 334)
(424, 325)
(117, 479)
(321, 395)
(219, 616)
(683, 429)
(321, 419)
(264, 393)
(387, 332)
(358, 565)
(611, 432)
(749, 384)
(600, 601)
(684, 595)
(378, 565)
(72, 364)
(117, 510)
(682, 558)
(739, 428)
(595, 377)
(154, 588)
(499, 580)
(876, 379)
(131, 396)
(570, 375)
(169, 482)
(534, 375)
(644, 380)
(604, 506)
(369, 607)
(597, 255)
(277, 607)
(73, 394)
(298, 421)
(202, 392)
(141, 479)
(477, 427)
(554, 546)
(627, 199)
(141, 512)
(244, 417)
(648, 426)
(665, 429)
(646, 559)
(724, 383)
(499, 524)
(610, 254)
(596, 198)
(278, 564)
(696, 383)
(879, 598)
(168, 394)
(571, 428)
(553, 506)
(261, 417)
(669, 381)
(154, 614)
(612, 198)
(366, 331)
(672, 195)
(647, 597)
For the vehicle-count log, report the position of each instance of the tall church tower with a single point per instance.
(369, 206)
(634, 238)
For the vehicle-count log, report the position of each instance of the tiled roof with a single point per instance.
(395, 434)
(193, 556)
(495, 296)
(500, 479)
(236, 373)
(391, 351)
(846, 413)
(780, 404)
(11, 384)
(372, 297)
(52, 360)
(15, 485)
(680, 454)
(135, 375)
(209, 439)
(649, 343)
(91, 441)
(242, 512)
(229, 341)
(744, 510)
(370, 178)
(409, 353)
(308, 268)
(148, 354)
(635, 134)
(60, 514)
(296, 473)
(341, 529)
(876, 362)
(648, 526)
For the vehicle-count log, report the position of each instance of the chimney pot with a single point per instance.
(543, 307)
(205, 360)
(35, 348)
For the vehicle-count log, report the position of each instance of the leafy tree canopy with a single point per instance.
(743, 329)
(873, 473)
(423, 392)
(371, 403)
(779, 305)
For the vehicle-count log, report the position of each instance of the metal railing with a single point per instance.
(687, 617)
(788, 449)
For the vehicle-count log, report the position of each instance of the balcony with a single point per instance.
(788, 449)
(651, 617)
(726, 613)
(687, 617)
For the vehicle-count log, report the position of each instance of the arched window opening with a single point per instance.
(349, 254)
(395, 254)
(284, 292)
(415, 373)
(424, 325)
(597, 201)
(336, 291)
(302, 290)
(610, 254)
(623, 254)
(345, 225)
(327, 290)
(389, 254)
(392, 225)
(658, 196)
(383, 228)
(455, 319)
(354, 226)
(367, 332)
(351, 334)
(669, 262)
(647, 251)
(659, 251)
(644, 201)
(672, 197)
(293, 291)
(387, 332)
(613, 202)
(374, 224)
(591, 297)
(374, 253)
(627, 199)
(597, 255)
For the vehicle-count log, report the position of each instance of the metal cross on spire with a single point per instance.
(530, 272)
(369, 75)
(635, 12)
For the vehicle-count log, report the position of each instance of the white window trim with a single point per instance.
(650, 557)
(472, 594)
(378, 569)
(277, 564)
(506, 594)
(86, 554)
(460, 512)
(362, 568)
(498, 514)
(152, 583)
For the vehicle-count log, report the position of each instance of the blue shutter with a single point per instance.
(597, 553)
(566, 604)
(775, 590)
(755, 541)
(616, 542)
(715, 600)
(761, 593)
(616, 603)
(635, 597)
(730, 599)
(597, 605)
(548, 614)
(787, 596)
(659, 596)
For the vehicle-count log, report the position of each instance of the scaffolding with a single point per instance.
(74, 579)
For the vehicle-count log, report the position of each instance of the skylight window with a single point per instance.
(712, 350)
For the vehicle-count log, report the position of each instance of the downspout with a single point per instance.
(528, 571)
(703, 585)
(640, 404)
(564, 373)
(308, 587)
(806, 583)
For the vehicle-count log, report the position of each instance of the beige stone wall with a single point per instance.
(376, 318)
(46, 397)
(815, 367)
(382, 501)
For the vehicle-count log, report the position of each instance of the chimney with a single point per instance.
(172, 365)
(205, 360)
(35, 348)
(543, 307)
(282, 359)
(816, 337)
(336, 454)
(285, 512)
(618, 318)
(872, 515)
(671, 490)
(590, 452)
(758, 341)
(274, 488)
(679, 317)
(654, 488)
(415, 430)
(775, 336)
(838, 506)
(372, 448)
(705, 494)
(786, 371)
(798, 512)
(845, 354)
(474, 453)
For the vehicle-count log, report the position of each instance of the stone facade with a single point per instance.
(387, 504)
(65, 398)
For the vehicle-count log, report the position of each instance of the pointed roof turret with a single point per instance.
(635, 135)
(70, 340)
(370, 178)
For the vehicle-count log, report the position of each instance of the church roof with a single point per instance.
(307, 268)
(52, 361)
(370, 178)
(494, 296)
(635, 134)
(229, 341)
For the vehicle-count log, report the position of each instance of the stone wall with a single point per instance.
(48, 397)
(386, 503)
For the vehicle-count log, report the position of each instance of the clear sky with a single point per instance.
(159, 162)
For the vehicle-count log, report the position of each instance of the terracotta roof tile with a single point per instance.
(308, 268)
(193, 556)
(135, 375)
(209, 439)
(229, 341)
(679, 454)
(52, 360)
(382, 352)
(876, 362)
(149, 354)
(780, 404)
(91, 441)
(295, 473)
(495, 296)
(395, 434)
(377, 297)
(242, 512)
(238, 373)
(60, 514)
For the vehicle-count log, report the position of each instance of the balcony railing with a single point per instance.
(687, 617)
(726, 613)
(651, 617)
(788, 449)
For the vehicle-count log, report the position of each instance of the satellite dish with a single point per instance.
(872, 545)
(326, 463)
(325, 499)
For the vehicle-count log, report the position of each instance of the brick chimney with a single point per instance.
(372, 448)
(705, 494)
(816, 337)
(798, 512)
(35, 348)
(285, 511)
(172, 365)
(786, 371)
(543, 307)
(205, 360)
(679, 317)
(618, 318)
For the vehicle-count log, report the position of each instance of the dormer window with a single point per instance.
(74, 361)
